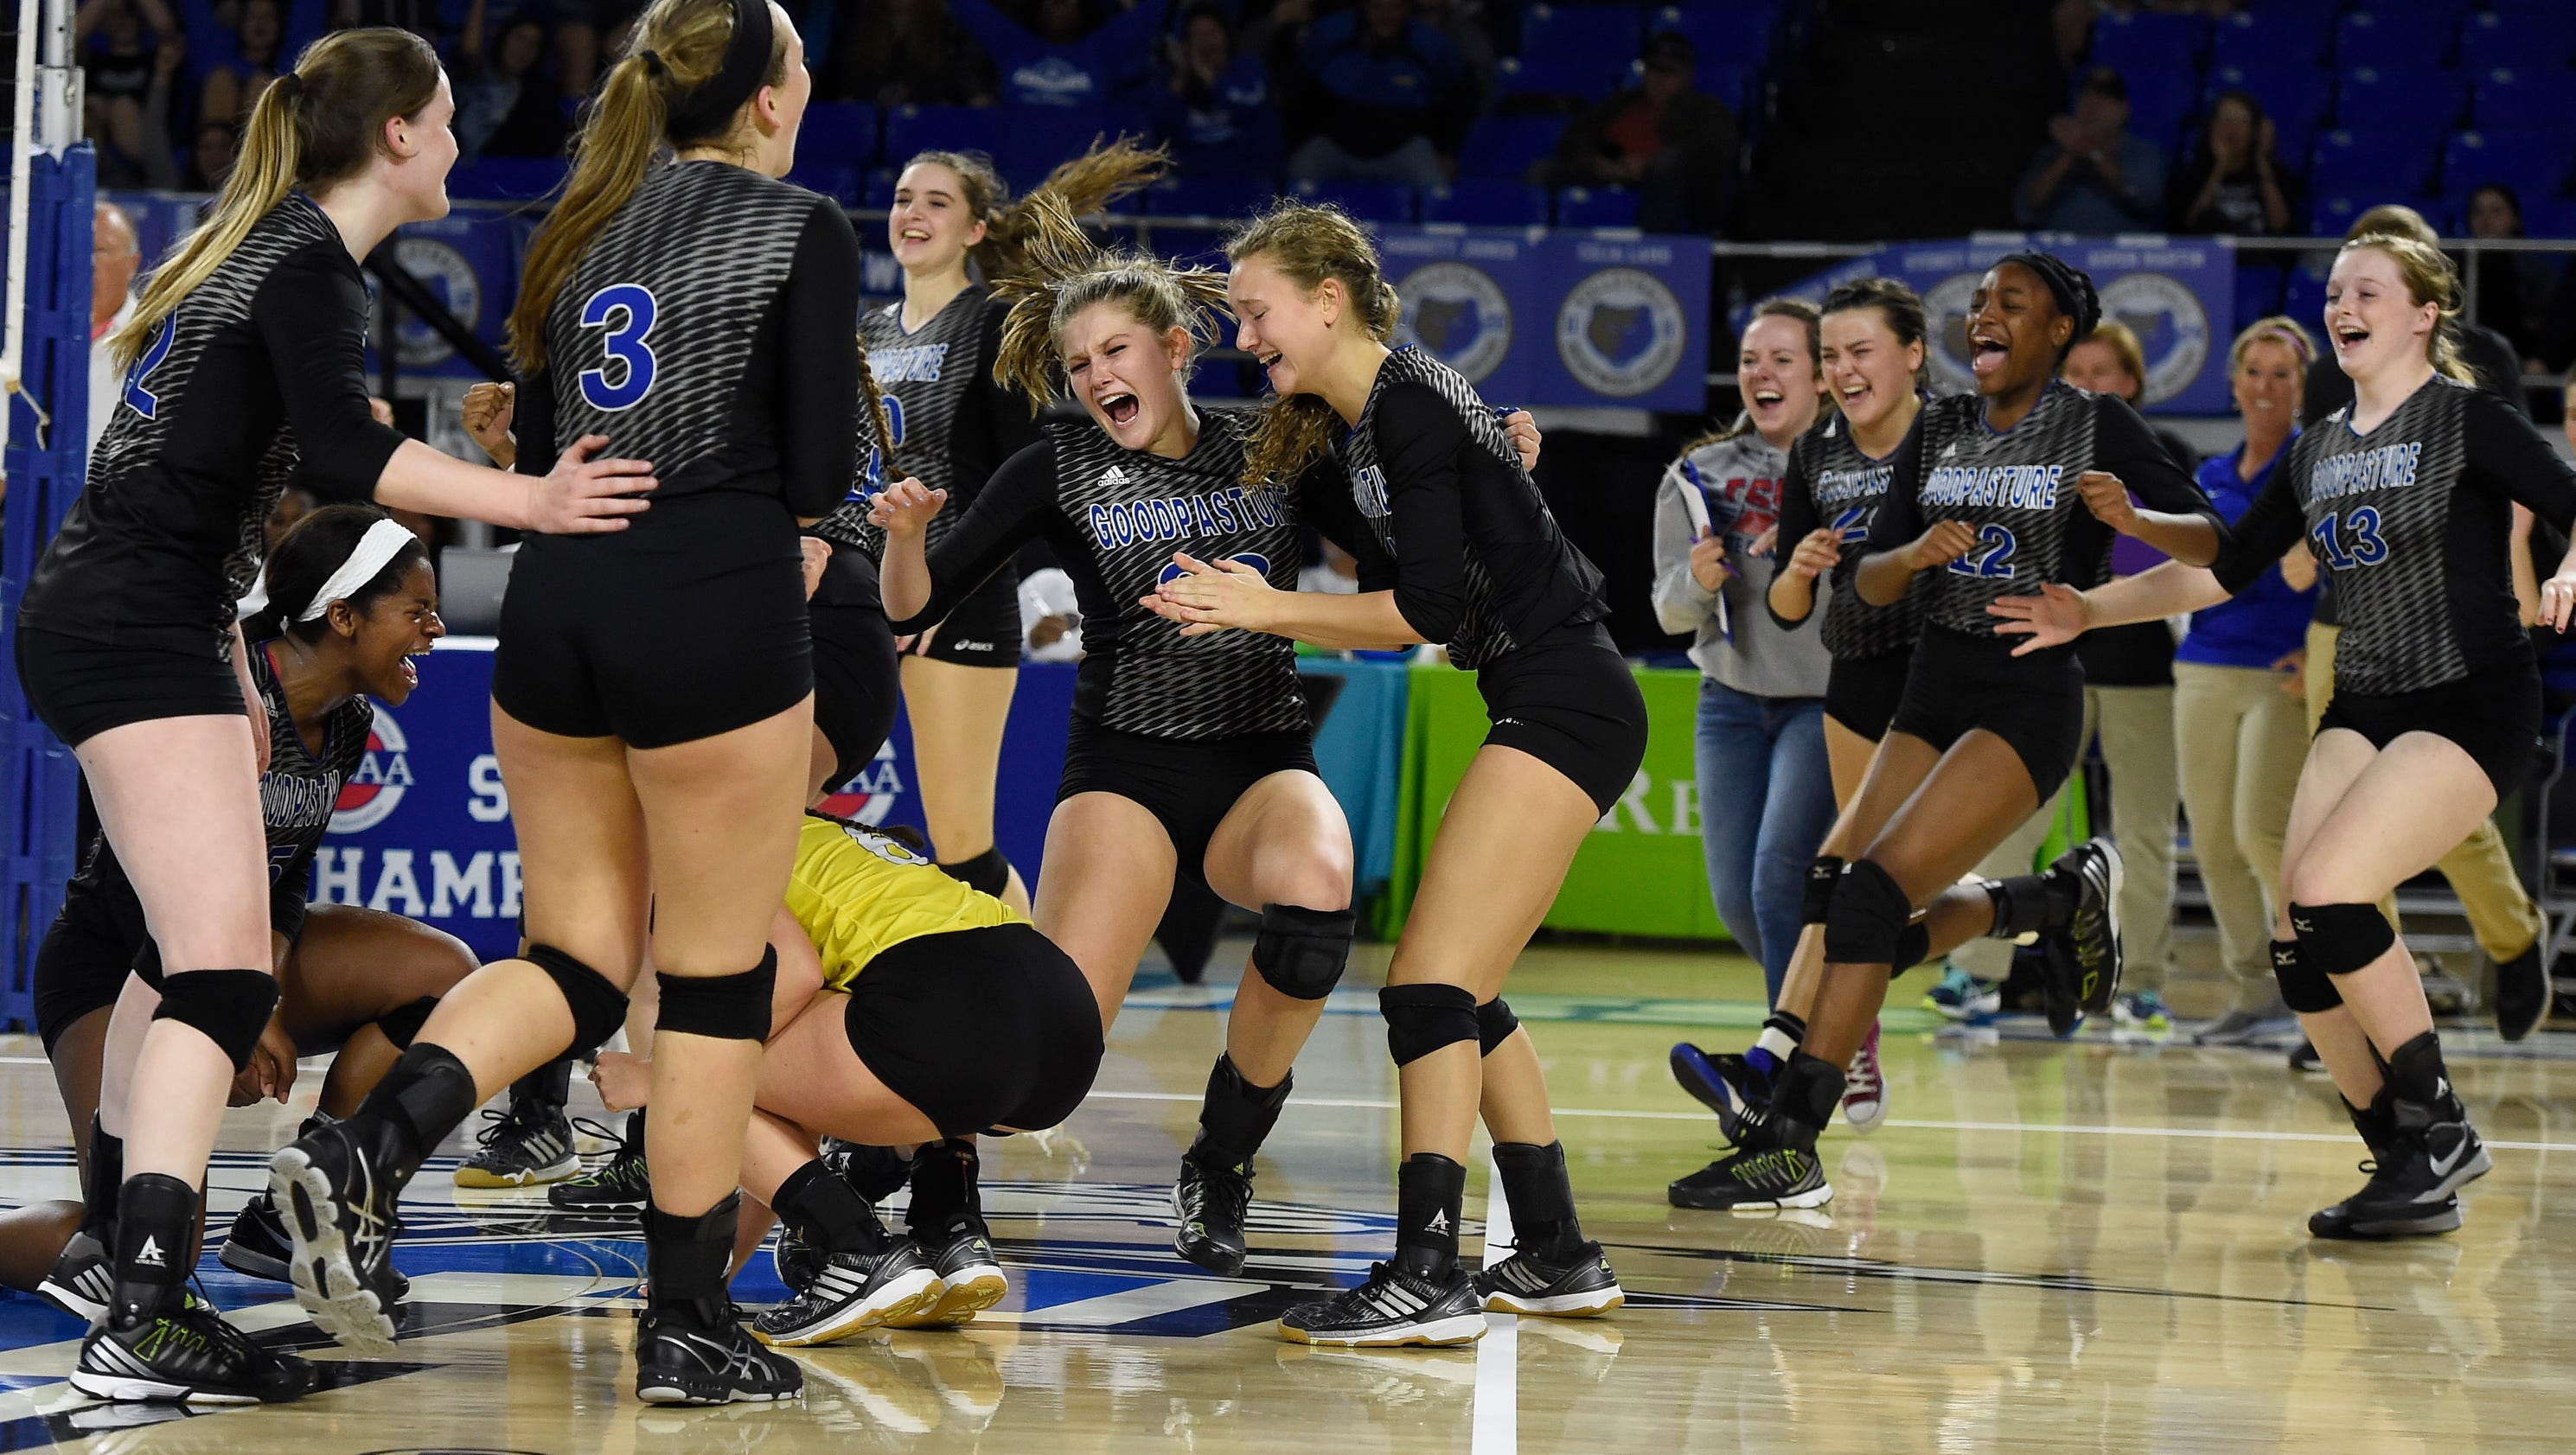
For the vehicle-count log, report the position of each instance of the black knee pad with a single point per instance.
(1824, 872)
(402, 1024)
(2338, 939)
(1300, 951)
(1495, 1024)
(1869, 915)
(720, 1007)
(2303, 989)
(987, 871)
(1420, 1019)
(598, 1006)
(230, 1007)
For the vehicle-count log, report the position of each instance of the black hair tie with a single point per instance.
(290, 87)
(2072, 291)
(653, 62)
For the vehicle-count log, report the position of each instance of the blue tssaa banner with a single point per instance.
(1562, 320)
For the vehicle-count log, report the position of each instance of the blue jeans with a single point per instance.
(1766, 798)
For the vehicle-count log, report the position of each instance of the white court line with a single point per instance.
(1104, 1310)
(1496, 1429)
(2215, 1134)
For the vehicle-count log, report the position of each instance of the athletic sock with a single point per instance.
(1541, 1197)
(101, 1183)
(428, 1094)
(686, 1259)
(1430, 1197)
(825, 1212)
(1781, 1034)
(1236, 1116)
(156, 1226)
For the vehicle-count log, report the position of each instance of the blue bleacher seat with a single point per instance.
(1219, 196)
(2294, 97)
(1561, 73)
(912, 129)
(2546, 216)
(2267, 38)
(839, 181)
(1596, 207)
(2394, 37)
(1736, 83)
(2258, 290)
(1602, 29)
(2537, 40)
(842, 133)
(1722, 31)
(2535, 98)
(2370, 96)
(2150, 39)
(2385, 160)
(507, 179)
(876, 189)
(1503, 147)
(1367, 201)
(2332, 214)
(1036, 138)
(2532, 163)
(2303, 293)
(1487, 204)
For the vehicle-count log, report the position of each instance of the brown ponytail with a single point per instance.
(1082, 186)
(1064, 272)
(1309, 243)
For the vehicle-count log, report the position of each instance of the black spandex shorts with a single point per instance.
(82, 688)
(856, 680)
(1188, 785)
(982, 630)
(689, 623)
(1961, 683)
(2493, 715)
(1569, 700)
(82, 964)
(979, 1028)
(1861, 693)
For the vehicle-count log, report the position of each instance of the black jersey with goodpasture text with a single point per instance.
(1115, 518)
(1469, 548)
(705, 329)
(1833, 484)
(953, 425)
(2017, 490)
(266, 355)
(2411, 524)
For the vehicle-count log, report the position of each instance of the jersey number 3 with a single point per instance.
(626, 310)
(2350, 541)
(145, 402)
(1991, 557)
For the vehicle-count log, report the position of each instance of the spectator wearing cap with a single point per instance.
(1215, 110)
(1392, 99)
(1674, 144)
(2093, 176)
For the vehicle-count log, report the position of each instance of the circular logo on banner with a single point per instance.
(2171, 325)
(452, 278)
(376, 787)
(1620, 332)
(1460, 313)
(1945, 310)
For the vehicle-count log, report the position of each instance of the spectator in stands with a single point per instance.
(2234, 182)
(211, 160)
(1675, 145)
(584, 29)
(1392, 99)
(1461, 23)
(2489, 354)
(503, 105)
(118, 42)
(115, 256)
(1216, 112)
(903, 52)
(2513, 290)
(234, 81)
(2093, 176)
(1060, 63)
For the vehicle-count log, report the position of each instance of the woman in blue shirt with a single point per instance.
(2239, 728)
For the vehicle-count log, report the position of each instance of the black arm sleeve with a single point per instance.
(2508, 452)
(1008, 513)
(532, 424)
(818, 365)
(1419, 436)
(1797, 522)
(1010, 425)
(1324, 502)
(2264, 533)
(2491, 357)
(2124, 446)
(311, 314)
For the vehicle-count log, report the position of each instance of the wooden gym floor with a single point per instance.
(2095, 1245)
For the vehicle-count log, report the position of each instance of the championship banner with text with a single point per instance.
(2177, 294)
(1562, 320)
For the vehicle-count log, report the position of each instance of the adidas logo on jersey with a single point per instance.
(150, 1253)
(1112, 476)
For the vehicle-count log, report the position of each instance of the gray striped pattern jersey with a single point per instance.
(708, 305)
(2386, 497)
(221, 302)
(2017, 489)
(1846, 486)
(1134, 510)
(1482, 635)
(926, 376)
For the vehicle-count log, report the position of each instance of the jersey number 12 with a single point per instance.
(626, 310)
(1991, 557)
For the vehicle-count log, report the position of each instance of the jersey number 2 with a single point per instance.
(626, 310)
(1852, 526)
(2350, 541)
(145, 402)
(1991, 557)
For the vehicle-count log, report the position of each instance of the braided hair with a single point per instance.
(2070, 286)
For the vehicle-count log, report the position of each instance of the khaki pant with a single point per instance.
(2500, 912)
(2242, 742)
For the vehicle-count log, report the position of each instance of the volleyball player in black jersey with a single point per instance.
(2405, 496)
(652, 700)
(1458, 547)
(244, 374)
(1872, 358)
(2023, 481)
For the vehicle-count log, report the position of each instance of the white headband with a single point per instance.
(382, 542)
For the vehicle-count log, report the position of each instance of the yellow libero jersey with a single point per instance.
(859, 893)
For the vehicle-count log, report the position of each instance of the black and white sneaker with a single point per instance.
(83, 1280)
(679, 1362)
(1392, 1309)
(1723, 1081)
(525, 1146)
(1755, 1179)
(850, 1292)
(1578, 1286)
(2414, 1181)
(186, 1353)
(621, 1183)
(971, 1279)
(797, 1261)
(259, 1247)
(2084, 960)
(1212, 1204)
(336, 1188)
